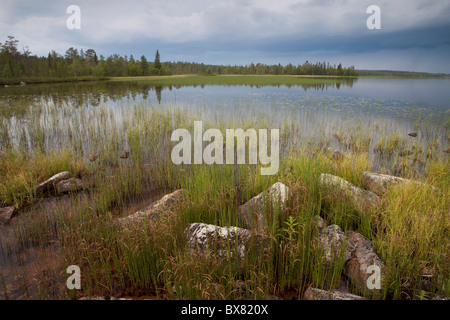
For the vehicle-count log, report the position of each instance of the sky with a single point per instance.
(414, 35)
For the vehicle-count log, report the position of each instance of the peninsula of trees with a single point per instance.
(75, 65)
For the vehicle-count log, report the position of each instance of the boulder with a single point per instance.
(222, 240)
(167, 203)
(332, 239)
(6, 214)
(49, 184)
(361, 199)
(252, 210)
(319, 294)
(362, 257)
(69, 186)
(380, 183)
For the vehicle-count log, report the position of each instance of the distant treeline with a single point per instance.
(16, 66)
(400, 74)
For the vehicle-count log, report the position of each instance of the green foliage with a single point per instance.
(157, 64)
(16, 66)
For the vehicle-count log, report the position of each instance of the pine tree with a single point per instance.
(157, 65)
(144, 66)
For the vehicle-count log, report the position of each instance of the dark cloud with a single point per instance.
(239, 32)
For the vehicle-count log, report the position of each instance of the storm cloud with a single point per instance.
(414, 34)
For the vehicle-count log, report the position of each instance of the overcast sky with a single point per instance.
(414, 34)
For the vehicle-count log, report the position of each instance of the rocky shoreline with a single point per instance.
(223, 242)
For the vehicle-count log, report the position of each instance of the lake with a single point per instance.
(319, 109)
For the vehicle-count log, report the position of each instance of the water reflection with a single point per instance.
(94, 93)
(85, 115)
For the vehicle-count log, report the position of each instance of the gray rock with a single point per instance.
(361, 199)
(252, 210)
(221, 240)
(7, 213)
(319, 222)
(380, 183)
(362, 257)
(104, 298)
(438, 297)
(69, 186)
(333, 239)
(49, 184)
(167, 203)
(319, 294)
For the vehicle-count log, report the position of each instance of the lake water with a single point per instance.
(381, 107)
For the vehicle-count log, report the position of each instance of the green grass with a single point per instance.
(254, 80)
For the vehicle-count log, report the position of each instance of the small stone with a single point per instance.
(380, 183)
(167, 203)
(69, 185)
(49, 184)
(222, 240)
(332, 239)
(335, 154)
(362, 257)
(92, 156)
(319, 221)
(319, 294)
(99, 298)
(252, 210)
(361, 199)
(7, 213)
(438, 297)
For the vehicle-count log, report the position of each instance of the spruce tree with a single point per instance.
(144, 66)
(157, 62)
